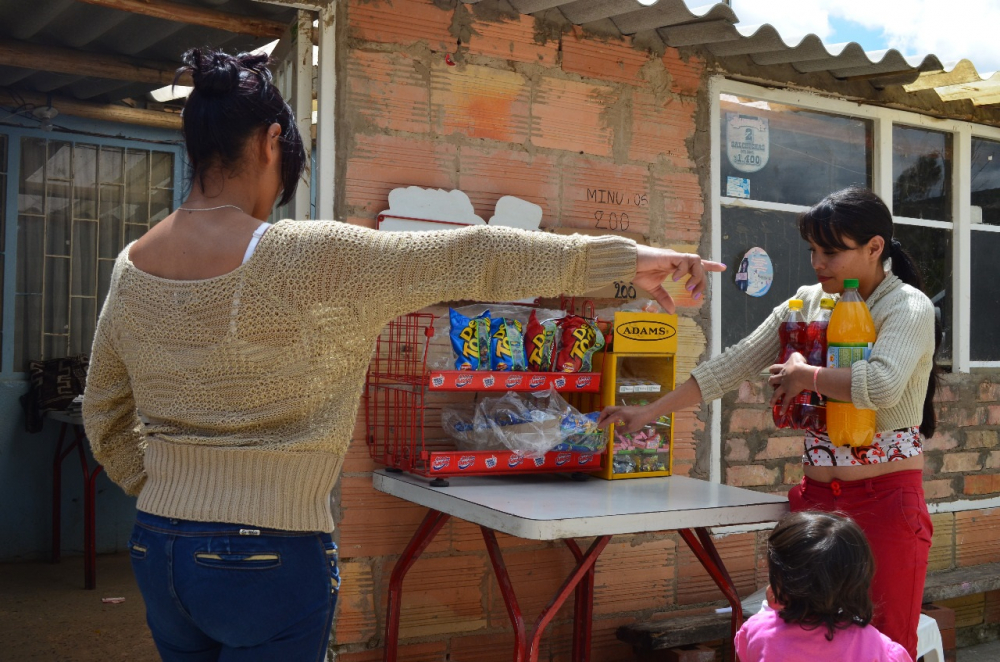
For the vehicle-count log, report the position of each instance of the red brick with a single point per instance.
(981, 484)
(695, 585)
(465, 537)
(977, 536)
(433, 651)
(992, 414)
(737, 450)
(682, 206)
(480, 102)
(686, 426)
(604, 196)
(536, 576)
(752, 393)
(938, 489)
(750, 474)
(978, 439)
(941, 441)
(961, 462)
(440, 595)
(968, 609)
(378, 164)
(686, 75)
(401, 22)
(792, 473)
(568, 115)
(613, 59)
(988, 391)
(482, 648)
(991, 612)
(618, 589)
(512, 39)
(945, 394)
(486, 175)
(358, 458)
(943, 542)
(781, 447)
(744, 420)
(993, 460)
(962, 416)
(661, 129)
(387, 91)
(376, 524)
(356, 618)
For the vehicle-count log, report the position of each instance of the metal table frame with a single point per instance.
(89, 494)
(476, 501)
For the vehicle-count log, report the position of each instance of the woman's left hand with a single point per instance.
(789, 379)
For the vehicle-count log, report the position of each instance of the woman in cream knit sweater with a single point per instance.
(229, 361)
(850, 235)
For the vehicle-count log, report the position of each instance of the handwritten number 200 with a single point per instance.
(615, 221)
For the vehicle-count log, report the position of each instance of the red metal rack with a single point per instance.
(402, 409)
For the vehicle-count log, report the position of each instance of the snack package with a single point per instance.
(470, 338)
(468, 429)
(578, 340)
(506, 344)
(581, 433)
(539, 343)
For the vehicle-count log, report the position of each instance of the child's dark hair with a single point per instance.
(820, 568)
(858, 214)
(233, 98)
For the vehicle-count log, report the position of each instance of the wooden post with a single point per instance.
(99, 111)
(209, 18)
(69, 61)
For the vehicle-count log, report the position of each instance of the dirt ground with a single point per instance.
(45, 613)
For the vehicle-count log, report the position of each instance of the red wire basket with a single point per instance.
(403, 401)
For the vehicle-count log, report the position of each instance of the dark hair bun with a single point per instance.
(218, 73)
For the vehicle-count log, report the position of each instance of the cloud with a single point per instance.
(951, 30)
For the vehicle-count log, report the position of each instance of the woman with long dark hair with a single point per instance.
(229, 361)
(850, 235)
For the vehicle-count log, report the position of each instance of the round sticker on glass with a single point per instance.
(756, 273)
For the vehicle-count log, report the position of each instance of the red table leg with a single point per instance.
(583, 614)
(709, 557)
(57, 495)
(585, 565)
(418, 543)
(507, 591)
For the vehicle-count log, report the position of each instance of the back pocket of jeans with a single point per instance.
(135, 550)
(238, 560)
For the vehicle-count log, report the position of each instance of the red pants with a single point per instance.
(892, 512)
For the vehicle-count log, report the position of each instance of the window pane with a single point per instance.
(110, 166)
(137, 187)
(56, 292)
(85, 182)
(984, 330)
(57, 218)
(32, 177)
(930, 249)
(60, 164)
(84, 259)
(111, 222)
(786, 154)
(777, 233)
(162, 170)
(986, 180)
(921, 173)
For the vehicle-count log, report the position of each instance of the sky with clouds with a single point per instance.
(951, 29)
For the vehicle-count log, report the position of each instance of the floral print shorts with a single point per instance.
(886, 447)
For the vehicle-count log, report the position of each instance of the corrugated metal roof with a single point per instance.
(716, 27)
(105, 31)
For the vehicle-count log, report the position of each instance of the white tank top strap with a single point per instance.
(255, 239)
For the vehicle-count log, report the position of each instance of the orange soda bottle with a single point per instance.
(850, 337)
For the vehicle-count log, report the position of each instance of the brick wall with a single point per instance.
(555, 115)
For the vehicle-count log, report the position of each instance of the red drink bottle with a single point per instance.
(794, 334)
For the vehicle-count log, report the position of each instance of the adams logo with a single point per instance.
(466, 461)
(648, 331)
(440, 463)
(463, 380)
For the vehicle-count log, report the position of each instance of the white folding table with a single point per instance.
(555, 507)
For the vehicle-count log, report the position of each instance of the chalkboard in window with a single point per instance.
(921, 173)
(930, 249)
(986, 181)
(985, 327)
(791, 155)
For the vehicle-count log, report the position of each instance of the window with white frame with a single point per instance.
(78, 205)
(778, 152)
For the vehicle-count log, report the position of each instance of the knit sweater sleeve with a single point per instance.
(110, 417)
(905, 338)
(490, 264)
(744, 360)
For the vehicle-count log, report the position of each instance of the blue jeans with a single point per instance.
(230, 592)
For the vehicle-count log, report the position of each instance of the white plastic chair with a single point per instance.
(929, 645)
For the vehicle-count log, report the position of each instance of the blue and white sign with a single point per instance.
(737, 187)
(756, 273)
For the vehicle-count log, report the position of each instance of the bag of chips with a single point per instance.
(506, 344)
(579, 338)
(539, 343)
(470, 338)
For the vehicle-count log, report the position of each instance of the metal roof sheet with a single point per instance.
(716, 27)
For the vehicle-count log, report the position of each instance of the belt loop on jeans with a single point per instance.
(835, 487)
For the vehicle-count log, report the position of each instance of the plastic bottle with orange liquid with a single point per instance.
(850, 336)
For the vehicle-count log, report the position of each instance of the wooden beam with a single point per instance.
(69, 61)
(209, 18)
(97, 111)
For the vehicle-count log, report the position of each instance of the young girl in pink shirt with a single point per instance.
(819, 605)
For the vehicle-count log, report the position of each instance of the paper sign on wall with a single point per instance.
(748, 142)
(756, 273)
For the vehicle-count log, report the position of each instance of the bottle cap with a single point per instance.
(850, 282)
(795, 304)
(827, 303)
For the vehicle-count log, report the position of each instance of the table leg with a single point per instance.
(90, 529)
(507, 591)
(418, 543)
(585, 565)
(57, 496)
(583, 613)
(709, 557)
